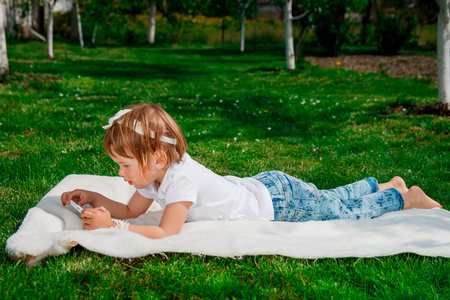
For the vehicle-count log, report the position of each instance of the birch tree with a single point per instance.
(242, 9)
(4, 65)
(444, 55)
(50, 4)
(244, 5)
(151, 11)
(288, 37)
(80, 29)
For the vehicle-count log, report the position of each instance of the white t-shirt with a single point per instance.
(213, 197)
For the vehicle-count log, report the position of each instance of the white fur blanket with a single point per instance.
(49, 229)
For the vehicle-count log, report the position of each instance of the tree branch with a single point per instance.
(36, 34)
(300, 16)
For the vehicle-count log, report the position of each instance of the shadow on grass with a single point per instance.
(226, 50)
(169, 64)
(122, 70)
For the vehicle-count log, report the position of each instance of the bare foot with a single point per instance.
(416, 198)
(397, 183)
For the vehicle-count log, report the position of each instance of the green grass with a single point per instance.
(329, 127)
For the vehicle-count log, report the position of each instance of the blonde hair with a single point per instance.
(123, 139)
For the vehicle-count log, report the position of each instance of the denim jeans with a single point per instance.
(297, 201)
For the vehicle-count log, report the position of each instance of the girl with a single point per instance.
(150, 149)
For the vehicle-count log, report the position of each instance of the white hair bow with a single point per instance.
(137, 127)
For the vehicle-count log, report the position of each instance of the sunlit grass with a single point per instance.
(241, 114)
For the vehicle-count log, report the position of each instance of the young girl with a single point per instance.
(150, 149)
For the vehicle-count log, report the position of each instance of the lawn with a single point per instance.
(242, 113)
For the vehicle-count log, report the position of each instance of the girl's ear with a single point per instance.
(160, 159)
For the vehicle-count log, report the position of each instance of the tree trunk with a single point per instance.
(224, 10)
(243, 30)
(73, 22)
(50, 30)
(289, 40)
(151, 22)
(80, 29)
(11, 17)
(4, 65)
(299, 46)
(94, 33)
(365, 21)
(444, 56)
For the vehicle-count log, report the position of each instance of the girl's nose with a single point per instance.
(121, 172)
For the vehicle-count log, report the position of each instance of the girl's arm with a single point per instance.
(173, 218)
(137, 205)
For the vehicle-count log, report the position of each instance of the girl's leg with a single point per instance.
(367, 206)
(353, 190)
(297, 201)
(360, 188)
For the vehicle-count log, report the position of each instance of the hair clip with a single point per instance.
(116, 117)
(137, 127)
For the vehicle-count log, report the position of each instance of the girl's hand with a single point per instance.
(95, 218)
(81, 197)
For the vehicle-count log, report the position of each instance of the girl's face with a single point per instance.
(132, 173)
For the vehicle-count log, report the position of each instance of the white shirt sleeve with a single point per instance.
(179, 187)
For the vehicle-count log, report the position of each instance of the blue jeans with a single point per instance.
(297, 201)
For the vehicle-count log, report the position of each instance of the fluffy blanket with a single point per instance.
(50, 229)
